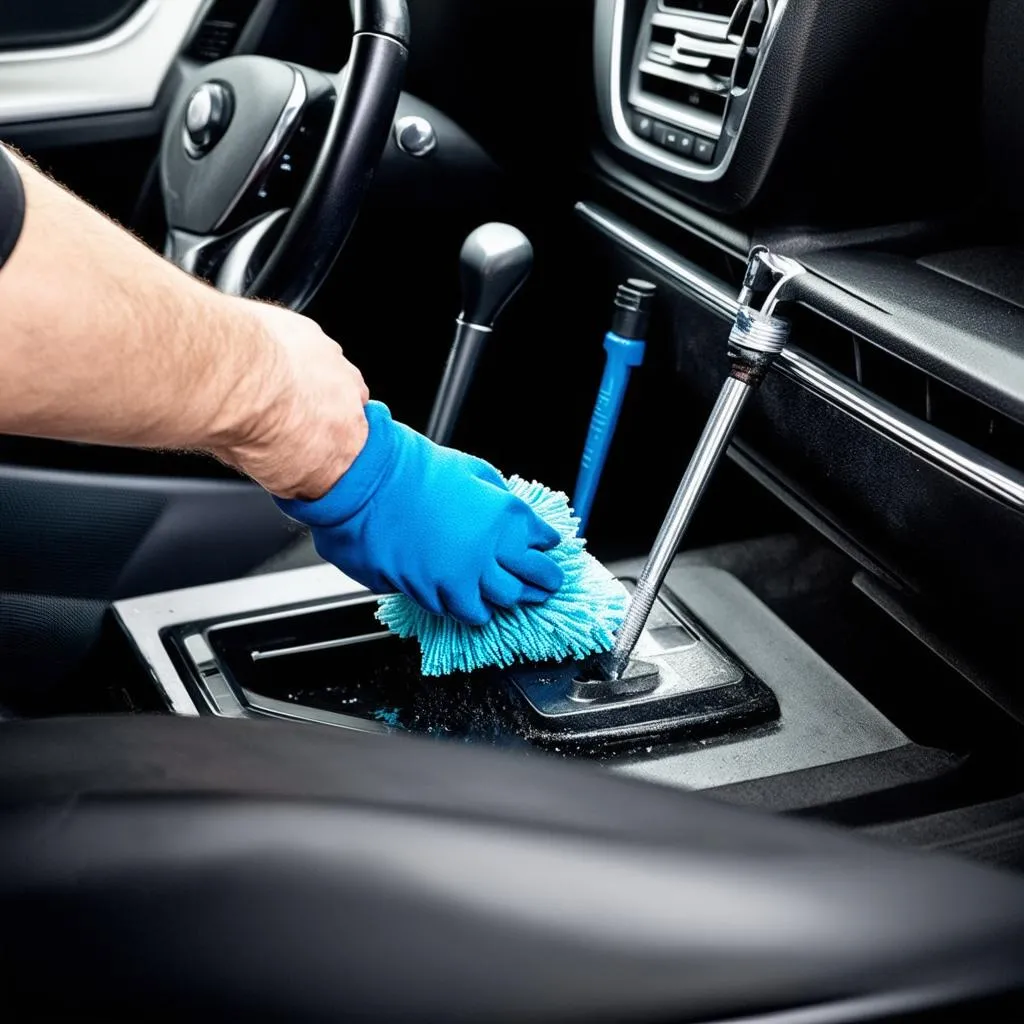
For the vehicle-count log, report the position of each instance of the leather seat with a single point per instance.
(156, 867)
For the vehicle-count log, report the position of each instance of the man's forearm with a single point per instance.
(102, 340)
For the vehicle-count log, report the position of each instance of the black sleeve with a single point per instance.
(12, 206)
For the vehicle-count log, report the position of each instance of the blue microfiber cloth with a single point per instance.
(576, 622)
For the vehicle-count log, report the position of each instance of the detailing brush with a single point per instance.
(578, 621)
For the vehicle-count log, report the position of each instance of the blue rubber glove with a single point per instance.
(434, 523)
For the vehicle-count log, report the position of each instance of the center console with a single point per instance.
(704, 688)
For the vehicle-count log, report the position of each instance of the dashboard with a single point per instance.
(836, 133)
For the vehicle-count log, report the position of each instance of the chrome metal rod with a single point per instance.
(458, 375)
(712, 445)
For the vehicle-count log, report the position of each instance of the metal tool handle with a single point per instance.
(755, 341)
(710, 449)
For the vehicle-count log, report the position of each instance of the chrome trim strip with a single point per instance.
(231, 278)
(286, 123)
(299, 713)
(945, 452)
(324, 645)
(942, 450)
(692, 279)
(629, 140)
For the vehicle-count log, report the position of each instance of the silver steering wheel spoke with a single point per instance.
(229, 262)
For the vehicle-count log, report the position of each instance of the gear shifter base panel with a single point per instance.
(683, 685)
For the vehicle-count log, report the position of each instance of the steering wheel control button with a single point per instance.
(704, 150)
(415, 136)
(207, 117)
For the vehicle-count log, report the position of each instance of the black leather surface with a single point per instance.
(326, 212)
(72, 542)
(996, 270)
(963, 335)
(177, 869)
(85, 535)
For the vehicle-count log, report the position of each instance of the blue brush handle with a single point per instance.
(623, 355)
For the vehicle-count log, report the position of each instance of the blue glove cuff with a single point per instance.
(361, 480)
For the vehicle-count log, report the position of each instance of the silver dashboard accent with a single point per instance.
(324, 645)
(961, 461)
(206, 118)
(943, 450)
(233, 276)
(415, 136)
(120, 71)
(711, 295)
(621, 133)
(286, 123)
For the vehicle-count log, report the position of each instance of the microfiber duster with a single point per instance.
(576, 622)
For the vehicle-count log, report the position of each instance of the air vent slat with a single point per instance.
(702, 28)
(663, 54)
(711, 8)
(694, 79)
(683, 42)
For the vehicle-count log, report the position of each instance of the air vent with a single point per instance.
(911, 390)
(692, 70)
(219, 31)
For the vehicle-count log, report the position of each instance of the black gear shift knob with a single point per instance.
(496, 260)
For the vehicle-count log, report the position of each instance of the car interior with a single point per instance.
(226, 790)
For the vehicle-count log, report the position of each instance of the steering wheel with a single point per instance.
(264, 164)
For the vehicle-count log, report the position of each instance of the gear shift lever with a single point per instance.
(496, 259)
